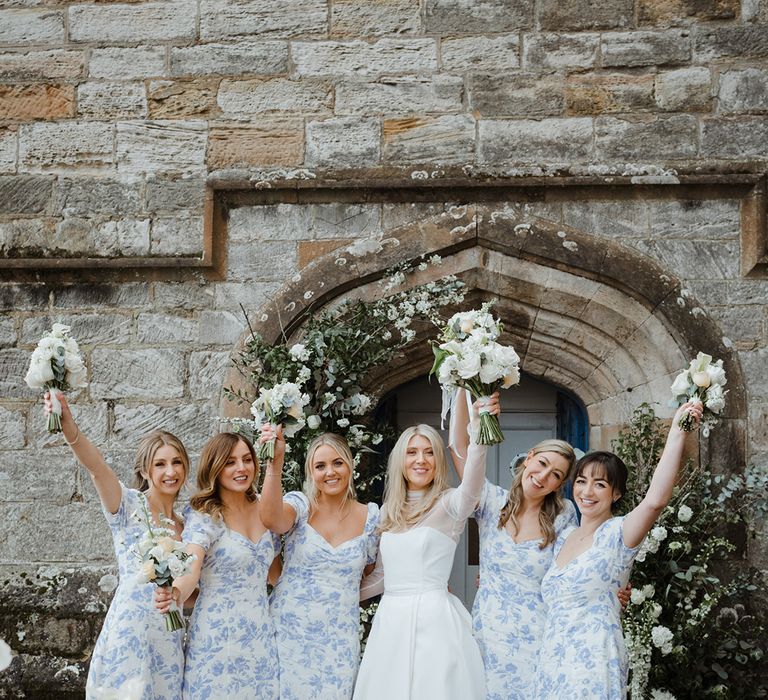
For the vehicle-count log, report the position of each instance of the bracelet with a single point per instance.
(77, 437)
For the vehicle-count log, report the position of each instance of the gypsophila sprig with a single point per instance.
(703, 380)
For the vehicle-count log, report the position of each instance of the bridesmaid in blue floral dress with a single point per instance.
(134, 650)
(583, 654)
(330, 539)
(231, 650)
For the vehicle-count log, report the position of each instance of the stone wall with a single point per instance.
(114, 116)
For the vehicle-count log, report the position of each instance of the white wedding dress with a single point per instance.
(421, 645)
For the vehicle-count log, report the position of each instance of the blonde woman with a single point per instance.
(330, 539)
(231, 651)
(421, 643)
(133, 644)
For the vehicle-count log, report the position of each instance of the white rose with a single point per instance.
(343, 422)
(147, 572)
(313, 422)
(700, 364)
(511, 378)
(701, 379)
(177, 567)
(490, 372)
(167, 544)
(39, 374)
(656, 611)
(717, 373)
(715, 398)
(291, 429)
(684, 514)
(6, 656)
(681, 384)
(469, 366)
(466, 326)
(636, 596)
(295, 410)
(659, 533)
(649, 591)
(662, 639)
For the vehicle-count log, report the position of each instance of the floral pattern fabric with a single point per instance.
(231, 650)
(583, 655)
(315, 607)
(134, 646)
(508, 614)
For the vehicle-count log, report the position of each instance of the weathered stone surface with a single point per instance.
(697, 219)
(609, 94)
(13, 366)
(89, 329)
(173, 195)
(458, 17)
(20, 472)
(20, 238)
(712, 42)
(28, 297)
(645, 48)
(408, 95)
(24, 27)
(206, 373)
(517, 94)
(295, 97)
(684, 90)
(7, 332)
(274, 262)
(164, 329)
(567, 52)
(584, 14)
(111, 100)
(253, 295)
(662, 12)
(127, 64)
(86, 144)
(743, 91)
(665, 137)
(28, 102)
(758, 424)
(619, 219)
(738, 137)
(161, 146)
(551, 140)
(754, 364)
(57, 636)
(191, 423)
(270, 142)
(173, 295)
(124, 237)
(132, 295)
(344, 141)
(25, 194)
(440, 140)
(42, 65)
(11, 430)
(92, 419)
(86, 196)
(377, 17)
(739, 324)
(481, 54)
(383, 57)
(124, 23)
(177, 236)
(174, 99)
(309, 251)
(220, 328)
(241, 58)
(694, 259)
(269, 18)
(140, 374)
(8, 147)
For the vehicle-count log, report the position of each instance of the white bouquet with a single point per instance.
(702, 380)
(163, 558)
(282, 404)
(56, 365)
(468, 356)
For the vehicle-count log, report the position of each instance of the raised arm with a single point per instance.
(462, 431)
(275, 513)
(638, 522)
(104, 479)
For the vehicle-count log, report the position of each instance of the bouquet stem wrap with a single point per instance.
(173, 619)
(54, 419)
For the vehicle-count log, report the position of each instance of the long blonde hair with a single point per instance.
(145, 454)
(396, 515)
(553, 502)
(212, 461)
(341, 446)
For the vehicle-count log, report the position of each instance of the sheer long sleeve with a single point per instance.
(462, 501)
(373, 583)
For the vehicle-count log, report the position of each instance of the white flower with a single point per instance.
(6, 655)
(376, 439)
(715, 399)
(423, 266)
(662, 639)
(313, 422)
(360, 404)
(435, 259)
(701, 379)
(681, 384)
(636, 596)
(342, 422)
(59, 330)
(648, 591)
(659, 533)
(717, 374)
(657, 694)
(656, 611)
(147, 572)
(39, 373)
(684, 514)
(469, 366)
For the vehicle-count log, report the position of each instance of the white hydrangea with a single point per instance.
(659, 533)
(299, 353)
(684, 514)
(662, 639)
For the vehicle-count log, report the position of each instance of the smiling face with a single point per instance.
(544, 473)
(330, 472)
(593, 493)
(239, 469)
(166, 471)
(419, 464)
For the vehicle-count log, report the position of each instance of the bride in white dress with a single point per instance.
(421, 645)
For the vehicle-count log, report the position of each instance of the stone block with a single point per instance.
(87, 196)
(341, 220)
(309, 251)
(182, 99)
(585, 14)
(662, 138)
(21, 238)
(161, 146)
(480, 54)
(84, 144)
(384, 57)
(9, 145)
(221, 327)
(738, 137)
(20, 474)
(14, 364)
(754, 364)
(460, 17)
(693, 259)
(162, 329)
(272, 222)
(137, 374)
(396, 214)
(31, 102)
(254, 295)
(612, 219)
(165, 195)
(568, 52)
(127, 64)
(739, 324)
(125, 237)
(684, 90)
(270, 142)
(257, 96)
(613, 93)
(56, 64)
(91, 418)
(713, 42)
(53, 635)
(666, 12)
(698, 219)
(25, 194)
(344, 141)
(517, 94)
(353, 19)
(8, 336)
(758, 426)
(276, 261)
(191, 423)
(174, 295)
(109, 100)
(26, 27)
(12, 426)
(743, 91)
(438, 140)
(241, 58)
(177, 236)
(127, 23)
(27, 297)
(132, 295)
(631, 49)
(221, 19)
(399, 96)
(529, 141)
(88, 329)
(207, 371)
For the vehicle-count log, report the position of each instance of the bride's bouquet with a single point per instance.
(56, 365)
(468, 356)
(163, 558)
(282, 404)
(703, 380)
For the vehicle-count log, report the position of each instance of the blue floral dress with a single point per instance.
(508, 615)
(133, 644)
(316, 607)
(583, 653)
(231, 650)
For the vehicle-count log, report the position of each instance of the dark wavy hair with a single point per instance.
(613, 469)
